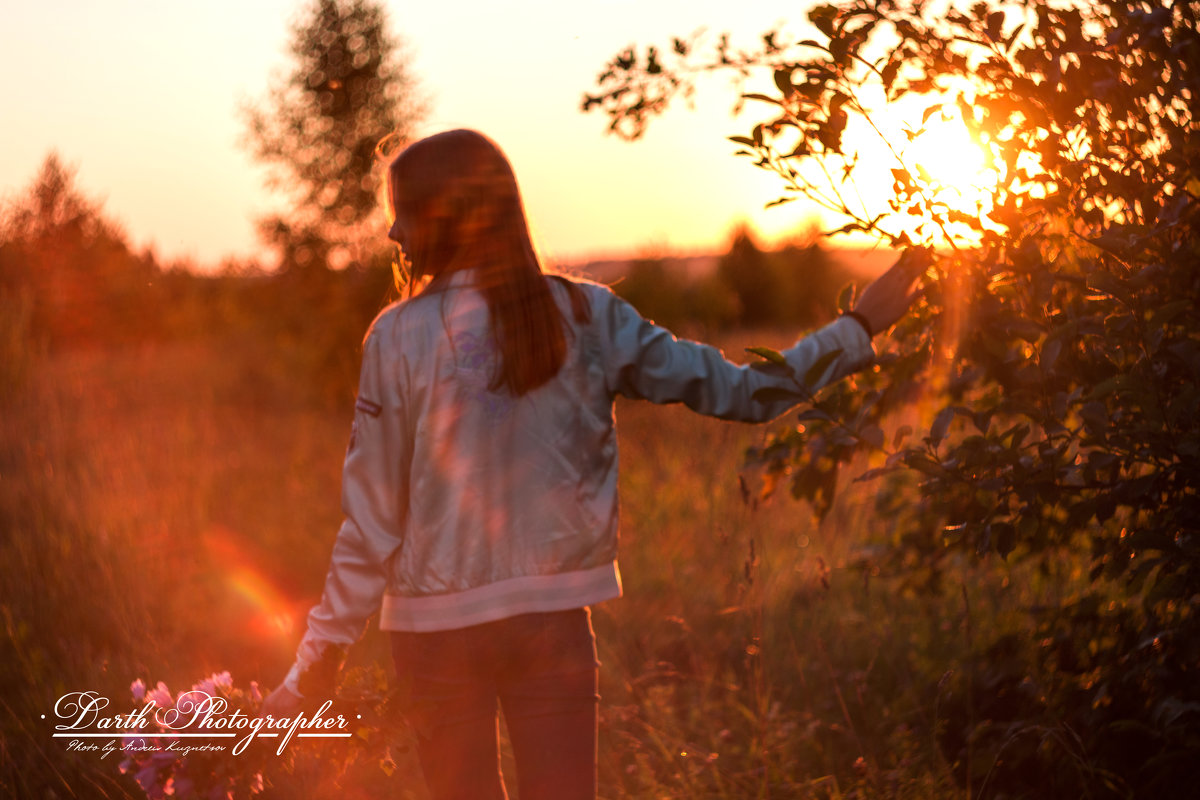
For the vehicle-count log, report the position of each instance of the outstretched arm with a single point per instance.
(646, 361)
(374, 501)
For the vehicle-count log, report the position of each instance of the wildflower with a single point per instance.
(255, 694)
(161, 696)
(138, 689)
(223, 680)
(190, 702)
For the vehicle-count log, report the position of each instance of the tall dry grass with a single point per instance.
(168, 511)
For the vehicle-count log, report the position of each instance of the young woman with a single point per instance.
(480, 485)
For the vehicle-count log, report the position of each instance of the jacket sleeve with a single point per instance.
(374, 500)
(646, 361)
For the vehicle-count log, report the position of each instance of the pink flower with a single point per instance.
(223, 680)
(161, 696)
(192, 701)
(255, 693)
(138, 689)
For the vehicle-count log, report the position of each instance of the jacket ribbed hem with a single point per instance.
(507, 598)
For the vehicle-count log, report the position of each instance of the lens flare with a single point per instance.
(270, 613)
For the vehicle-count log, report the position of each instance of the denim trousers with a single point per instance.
(541, 670)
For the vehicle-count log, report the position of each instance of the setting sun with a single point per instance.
(917, 164)
(946, 155)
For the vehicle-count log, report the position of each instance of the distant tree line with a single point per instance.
(70, 279)
(795, 286)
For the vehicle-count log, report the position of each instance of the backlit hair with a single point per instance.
(459, 195)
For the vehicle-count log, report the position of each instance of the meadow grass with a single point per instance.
(168, 512)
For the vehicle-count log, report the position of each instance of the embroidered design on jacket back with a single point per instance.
(475, 356)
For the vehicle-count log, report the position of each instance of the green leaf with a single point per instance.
(836, 102)
(922, 463)
(845, 297)
(1050, 352)
(995, 25)
(1104, 282)
(777, 394)
(809, 414)
(823, 17)
(762, 98)
(1168, 313)
(872, 474)
(872, 436)
(1004, 538)
(819, 367)
(888, 76)
(1017, 434)
(767, 354)
(1108, 387)
(941, 424)
(783, 81)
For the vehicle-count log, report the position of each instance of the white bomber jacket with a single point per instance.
(465, 505)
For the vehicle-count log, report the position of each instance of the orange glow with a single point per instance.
(949, 158)
(953, 177)
(271, 614)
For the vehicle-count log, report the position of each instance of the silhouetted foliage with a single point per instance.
(809, 281)
(68, 271)
(1058, 342)
(68, 280)
(349, 89)
(661, 290)
(744, 269)
(796, 285)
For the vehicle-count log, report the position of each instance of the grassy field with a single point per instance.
(167, 512)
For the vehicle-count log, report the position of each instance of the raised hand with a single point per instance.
(889, 296)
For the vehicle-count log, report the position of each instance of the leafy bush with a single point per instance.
(1056, 352)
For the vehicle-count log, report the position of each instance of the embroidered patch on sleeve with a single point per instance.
(367, 407)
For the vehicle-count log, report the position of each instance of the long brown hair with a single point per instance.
(460, 197)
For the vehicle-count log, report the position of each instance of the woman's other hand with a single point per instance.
(884, 302)
(282, 702)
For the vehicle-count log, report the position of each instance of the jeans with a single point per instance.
(541, 669)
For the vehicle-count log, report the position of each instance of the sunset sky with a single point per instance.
(142, 97)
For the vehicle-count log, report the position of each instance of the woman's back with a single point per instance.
(480, 485)
(501, 488)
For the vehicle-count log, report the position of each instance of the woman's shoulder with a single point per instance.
(574, 285)
(395, 319)
(387, 319)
